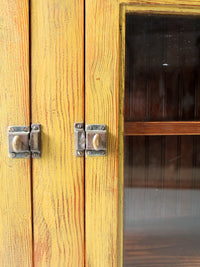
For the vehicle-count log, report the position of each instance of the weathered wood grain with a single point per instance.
(101, 184)
(57, 102)
(104, 177)
(162, 128)
(15, 192)
(156, 246)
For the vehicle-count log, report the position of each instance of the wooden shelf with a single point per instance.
(162, 128)
(173, 242)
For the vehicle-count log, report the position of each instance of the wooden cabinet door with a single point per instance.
(15, 175)
(57, 93)
(142, 81)
(42, 81)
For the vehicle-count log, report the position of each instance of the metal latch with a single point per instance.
(91, 141)
(23, 143)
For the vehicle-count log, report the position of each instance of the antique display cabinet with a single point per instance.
(99, 133)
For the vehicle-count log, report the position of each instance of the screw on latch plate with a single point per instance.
(91, 141)
(79, 139)
(96, 135)
(18, 142)
(23, 143)
(35, 140)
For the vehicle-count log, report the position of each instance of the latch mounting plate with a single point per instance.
(23, 143)
(96, 139)
(91, 141)
(18, 141)
(79, 139)
(35, 140)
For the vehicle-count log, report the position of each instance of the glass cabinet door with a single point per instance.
(161, 199)
(142, 80)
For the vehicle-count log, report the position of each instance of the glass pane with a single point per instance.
(162, 68)
(162, 173)
(162, 201)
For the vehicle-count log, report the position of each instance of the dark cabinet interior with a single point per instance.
(162, 173)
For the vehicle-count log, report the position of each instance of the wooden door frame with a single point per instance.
(105, 35)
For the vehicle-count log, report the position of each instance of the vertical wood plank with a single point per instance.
(136, 96)
(15, 192)
(188, 65)
(102, 40)
(186, 176)
(172, 73)
(134, 161)
(155, 70)
(172, 69)
(57, 103)
(157, 91)
(196, 143)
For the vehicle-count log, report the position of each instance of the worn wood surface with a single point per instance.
(15, 192)
(104, 182)
(157, 246)
(58, 102)
(162, 128)
(155, 164)
(101, 87)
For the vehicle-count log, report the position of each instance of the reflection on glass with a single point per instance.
(162, 173)
(162, 68)
(162, 201)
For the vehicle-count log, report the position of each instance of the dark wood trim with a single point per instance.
(162, 128)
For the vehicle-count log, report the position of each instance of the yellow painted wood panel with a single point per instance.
(104, 176)
(101, 178)
(15, 191)
(57, 103)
